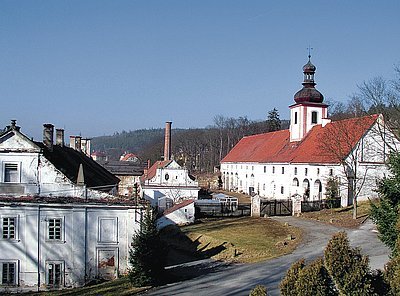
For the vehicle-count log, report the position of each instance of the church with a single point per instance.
(314, 150)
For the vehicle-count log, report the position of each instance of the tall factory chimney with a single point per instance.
(167, 143)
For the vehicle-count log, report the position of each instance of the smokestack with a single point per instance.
(48, 132)
(60, 137)
(86, 147)
(167, 143)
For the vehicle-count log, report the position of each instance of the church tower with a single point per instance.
(309, 109)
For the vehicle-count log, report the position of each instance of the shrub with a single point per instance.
(348, 268)
(314, 280)
(288, 284)
(259, 290)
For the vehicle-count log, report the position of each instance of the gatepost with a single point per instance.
(255, 206)
(296, 199)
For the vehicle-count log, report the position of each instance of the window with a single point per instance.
(54, 228)
(273, 170)
(314, 117)
(11, 174)
(54, 274)
(9, 228)
(295, 171)
(282, 189)
(264, 186)
(8, 273)
(306, 171)
(330, 172)
(317, 171)
(265, 169)
(295, 117)
(166, 177)
(283, 170)
(295, 182)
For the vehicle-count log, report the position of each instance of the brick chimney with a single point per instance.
(48, 132)
(60, 137)
(72, 142)
(167, 143)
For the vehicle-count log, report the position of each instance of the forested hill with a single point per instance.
(198, 149)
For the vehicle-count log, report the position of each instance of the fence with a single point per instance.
(312, 206)
(214, 209)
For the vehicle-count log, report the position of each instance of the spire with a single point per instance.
(308, 93)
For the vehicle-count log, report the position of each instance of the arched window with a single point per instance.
(295, 182)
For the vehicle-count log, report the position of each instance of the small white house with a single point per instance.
(180, 214)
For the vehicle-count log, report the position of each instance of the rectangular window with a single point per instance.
(317, 171)
(54, 274)
(283, 170)
(8, 274)
(273, 170)
(295, 171)
(330, 172)
(11, 174)
(282, 189)
(9, 226)
(306, 171)
(295, 117)
(314, 118)
(265, 169)
(54, 228)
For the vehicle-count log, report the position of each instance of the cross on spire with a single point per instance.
(309, 48)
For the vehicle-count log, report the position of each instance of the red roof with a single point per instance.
(178, 206)
(328, 144)
(151, 172)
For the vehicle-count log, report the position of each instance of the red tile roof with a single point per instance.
(127, 156)
(316, 147)
(151, 172)
(178, 206)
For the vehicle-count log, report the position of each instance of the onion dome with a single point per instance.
(308, 94)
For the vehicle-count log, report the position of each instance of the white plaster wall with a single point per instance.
(182, 216)
(79, 222)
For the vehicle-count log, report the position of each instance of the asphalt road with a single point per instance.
(239, 279)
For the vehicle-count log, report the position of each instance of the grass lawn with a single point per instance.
(341, 216)
(120, 286)
(243, 239)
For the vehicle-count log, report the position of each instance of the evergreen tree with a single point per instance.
(348, 269)
(332, 191)
(384, 214)
(288, 284)
(146, 256)
(273, 121)
(259, 290)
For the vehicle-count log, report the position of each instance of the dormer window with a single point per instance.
(314, 117)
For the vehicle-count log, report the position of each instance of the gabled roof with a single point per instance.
(125, 168)
(275, 147)
(178, 206)
(128, 156)
(67, 161)
(151, 172)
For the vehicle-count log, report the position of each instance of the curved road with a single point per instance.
(239, 279)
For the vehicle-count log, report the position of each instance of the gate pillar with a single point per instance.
(296, 199)
(255, 206)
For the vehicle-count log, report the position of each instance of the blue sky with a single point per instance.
(96, 67)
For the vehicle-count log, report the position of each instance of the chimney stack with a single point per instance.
(48, 132)
(60, 137)
(78, 143)
(72, 142)
(167, 143)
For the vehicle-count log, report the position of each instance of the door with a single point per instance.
(107, 263)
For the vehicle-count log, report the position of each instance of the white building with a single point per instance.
(57, 243)
(166, 178)
(302, 159)
(60, 225)
(180, 214)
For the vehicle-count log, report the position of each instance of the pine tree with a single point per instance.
(146, 256)
(288, 284)
(273, 121)
(384, 214)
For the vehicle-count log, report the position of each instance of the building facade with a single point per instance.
(301, 159)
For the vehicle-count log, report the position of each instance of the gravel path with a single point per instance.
(221, 279)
